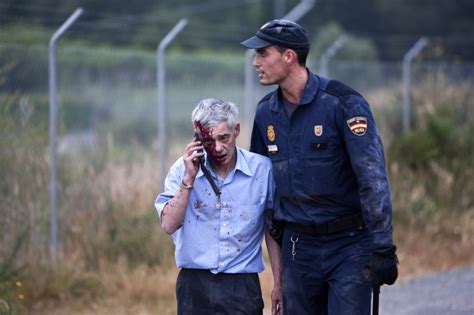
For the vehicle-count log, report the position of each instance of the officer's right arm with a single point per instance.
(257, 144)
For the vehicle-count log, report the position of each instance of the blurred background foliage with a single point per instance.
(385, 28)
(114, 258)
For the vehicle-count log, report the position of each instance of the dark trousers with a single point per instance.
(202, 292)
(326, 274)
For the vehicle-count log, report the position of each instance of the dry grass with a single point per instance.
(119, 290)
(108, 214)
(445, 239)
(445, 243)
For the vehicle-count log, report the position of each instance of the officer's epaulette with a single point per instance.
(339, 89)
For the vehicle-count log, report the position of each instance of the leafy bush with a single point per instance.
(441, 140)
(432, 166)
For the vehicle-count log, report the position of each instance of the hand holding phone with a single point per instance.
(206, 172)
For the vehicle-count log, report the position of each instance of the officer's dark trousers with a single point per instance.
(326, 274)
(202, 292)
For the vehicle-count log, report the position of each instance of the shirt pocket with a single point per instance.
(248, 220)
(320, 173)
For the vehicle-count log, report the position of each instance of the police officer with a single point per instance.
(329, 170)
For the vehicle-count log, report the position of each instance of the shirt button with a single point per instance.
(224, 224)
(221, 264)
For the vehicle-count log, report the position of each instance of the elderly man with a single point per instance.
(214, 207)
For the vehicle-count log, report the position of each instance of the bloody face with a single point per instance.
(219, 143)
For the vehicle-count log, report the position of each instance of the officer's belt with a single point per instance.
(337, 225)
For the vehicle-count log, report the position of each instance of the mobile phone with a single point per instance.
(198, 138)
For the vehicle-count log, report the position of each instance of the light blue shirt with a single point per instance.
(228, 239)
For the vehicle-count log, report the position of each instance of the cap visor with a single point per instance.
(255, 42)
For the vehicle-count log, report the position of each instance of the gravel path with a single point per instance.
(441, 293)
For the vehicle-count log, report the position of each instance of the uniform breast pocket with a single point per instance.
(320, 173)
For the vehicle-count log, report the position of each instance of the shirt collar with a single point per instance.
(309, 93)
(240, 165)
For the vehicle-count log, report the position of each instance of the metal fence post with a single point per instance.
(294, 15)
(53, 116)
(329, 53)
(160, 81)
(406, 73)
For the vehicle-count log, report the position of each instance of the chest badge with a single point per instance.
(270, 133)
(318, 130)
(358, 125)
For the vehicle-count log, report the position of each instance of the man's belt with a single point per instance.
(337, 225)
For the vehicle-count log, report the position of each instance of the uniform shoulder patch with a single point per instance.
(358, 125)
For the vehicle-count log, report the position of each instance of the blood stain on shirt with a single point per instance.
(197, 204)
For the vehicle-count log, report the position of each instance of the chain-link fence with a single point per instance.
(107, 145)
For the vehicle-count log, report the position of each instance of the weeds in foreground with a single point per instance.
(11, 280)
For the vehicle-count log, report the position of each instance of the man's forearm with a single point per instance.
(173, 213)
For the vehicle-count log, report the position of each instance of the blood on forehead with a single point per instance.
(203, 131)
(206, 137)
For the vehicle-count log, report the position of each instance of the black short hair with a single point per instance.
(301, 53)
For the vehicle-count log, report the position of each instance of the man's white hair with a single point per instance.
(211, 112)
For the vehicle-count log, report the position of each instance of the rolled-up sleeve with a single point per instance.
(172, 184)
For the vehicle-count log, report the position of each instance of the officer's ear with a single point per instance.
(290, 56)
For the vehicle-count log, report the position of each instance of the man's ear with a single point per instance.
(237, 129)
(290, 56)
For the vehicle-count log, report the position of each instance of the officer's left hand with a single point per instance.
(383, 265)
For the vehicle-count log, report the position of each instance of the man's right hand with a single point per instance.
(191, 155)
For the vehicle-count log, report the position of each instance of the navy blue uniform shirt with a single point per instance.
(328, 159)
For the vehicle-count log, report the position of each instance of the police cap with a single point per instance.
(282, 33)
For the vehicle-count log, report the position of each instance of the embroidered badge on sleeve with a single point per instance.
(358, 125)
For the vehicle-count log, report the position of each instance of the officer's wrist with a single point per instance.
(381, 239)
